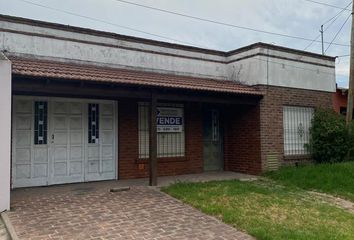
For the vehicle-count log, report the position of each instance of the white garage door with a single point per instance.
(59, 140)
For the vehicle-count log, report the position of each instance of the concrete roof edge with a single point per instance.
(63, 27)
(279, 48)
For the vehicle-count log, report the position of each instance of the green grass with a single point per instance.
(267, 210)
(336, 179)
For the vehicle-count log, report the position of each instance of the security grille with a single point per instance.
(169, 144)
(93, 123)
(296, 123)
(40, 122)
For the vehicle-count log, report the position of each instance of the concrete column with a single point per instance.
(5, 132)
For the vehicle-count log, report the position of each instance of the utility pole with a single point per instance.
(321, 31)
(351, 77)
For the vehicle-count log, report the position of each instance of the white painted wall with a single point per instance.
(293, 73)
(280, 68)
(5, 132)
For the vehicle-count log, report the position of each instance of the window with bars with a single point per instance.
(40, 122)
(296, 124)
(169, 144)
(93, 123)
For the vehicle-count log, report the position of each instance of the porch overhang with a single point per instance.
(170, 86)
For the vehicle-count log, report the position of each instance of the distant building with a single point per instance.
(340, 100)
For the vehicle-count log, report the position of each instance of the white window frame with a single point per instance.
(296, 129)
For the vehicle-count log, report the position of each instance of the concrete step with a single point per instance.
(3, 232)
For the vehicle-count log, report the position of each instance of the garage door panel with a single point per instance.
(23, 155)
(23, 138)
(76, 153)
(23, 122)
(76, 138)
(107, 137)
(76, 108)
(41, 155)
(93, 166)
(61, 138)
(107, 123)
(107, 166)
(23, 106)
(59, 107)
(60, 154)
(107, 109)
(107, 152)
(60, 169)
(76, 168)
(76, 123)
(59, 123)
(93, 152)
(40, 170)
(65, 155)
(23, 171)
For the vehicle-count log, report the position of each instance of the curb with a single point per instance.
(10, 228)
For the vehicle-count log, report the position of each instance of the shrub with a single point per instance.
(330, 140)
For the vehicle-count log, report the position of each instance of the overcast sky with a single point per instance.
(292, 17)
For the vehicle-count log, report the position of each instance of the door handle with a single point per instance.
(52, 138)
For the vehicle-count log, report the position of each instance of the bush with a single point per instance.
(330, 140)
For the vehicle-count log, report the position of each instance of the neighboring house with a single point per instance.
(81, 105)
(340, 100)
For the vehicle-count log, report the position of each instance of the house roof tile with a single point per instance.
(53, 69)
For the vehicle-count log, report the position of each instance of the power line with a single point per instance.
(339, 13)
(334, 18)
(328, 5)
(94, 19)
(340, 29)
(222, 23)
(110, 23)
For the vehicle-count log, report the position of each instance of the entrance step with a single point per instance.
(3, 231)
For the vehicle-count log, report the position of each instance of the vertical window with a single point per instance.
(93, 123)
(40, 122)
(296, 124)
(143, 128)
(170, 135)
(215, 125)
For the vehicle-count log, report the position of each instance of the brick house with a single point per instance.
(340, 99)
(78, 105)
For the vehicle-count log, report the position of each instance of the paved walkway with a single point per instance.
(3, 232)
(91, 211)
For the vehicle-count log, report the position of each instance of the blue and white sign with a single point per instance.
(169, 119)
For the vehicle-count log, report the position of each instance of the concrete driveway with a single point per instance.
(91, 211)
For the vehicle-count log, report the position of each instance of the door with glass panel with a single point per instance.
(30, 151)
(212, 140)
(101, 141)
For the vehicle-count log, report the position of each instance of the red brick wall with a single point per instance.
(271, 115)
(129, 166)
(340, 99)
(251, 134)
(242, 139)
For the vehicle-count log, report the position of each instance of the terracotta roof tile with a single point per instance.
(52, 69)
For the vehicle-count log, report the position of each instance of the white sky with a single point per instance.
(292, 17)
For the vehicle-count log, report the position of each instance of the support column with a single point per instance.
(5, 132)
(153, 141)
